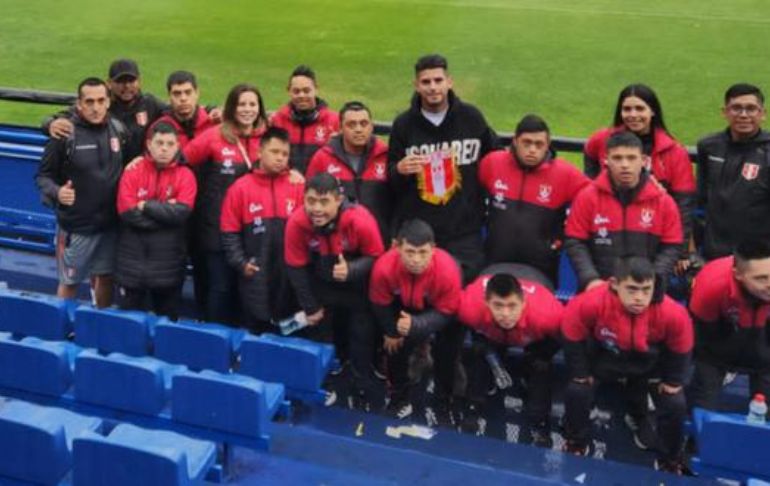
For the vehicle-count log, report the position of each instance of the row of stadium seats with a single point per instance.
(298, 364)
(42, 444)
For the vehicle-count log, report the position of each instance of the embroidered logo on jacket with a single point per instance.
(141, 118)
(332, 169)
(115, 144)
(379, 170)
(544, 193)
(750, 171)
(646, 217)
(253, 208)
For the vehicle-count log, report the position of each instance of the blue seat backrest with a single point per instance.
(568, 283)
(297, 363)
(227, 403)
(122, 382)
(36, 441)
(38, 315)
(113, 331)
(728, 441)
(197, 346)
(133, 456)
(36, 366)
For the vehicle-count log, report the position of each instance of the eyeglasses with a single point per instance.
(750, 110)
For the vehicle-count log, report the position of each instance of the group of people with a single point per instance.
(393, 250)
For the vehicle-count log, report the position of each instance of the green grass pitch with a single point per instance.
(563, 59)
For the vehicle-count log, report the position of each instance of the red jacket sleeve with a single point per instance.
(672, 222)
(188, 187)
(127, 190)
(369, 231)
(198, 150)
(449, 287)
(679, 335)
(472, 305)
(379, 290)
(296, 253)
(578, 317)
(315, 165)
(575, 182)
(550, 314)
(230, 220)
(579, 220)
(486, 170)
(706, 297)
(682, 178)
(593, 145)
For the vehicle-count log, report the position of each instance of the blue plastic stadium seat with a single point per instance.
(123, 382)
(28, 314)
(114, 331)
(730, 445)
(297, 363)
(133, 456)
(195, 345)
(568, 284)
(234, 404)
(36, 366)
(36, 442)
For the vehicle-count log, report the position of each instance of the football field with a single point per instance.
(565, 60)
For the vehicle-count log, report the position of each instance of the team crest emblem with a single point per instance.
(289, 206)
(227, 163)
(646, 217)
(750, 171)
(320, 134)
(603, 232)
(141, 118)
(115, 144)
(440, 178)
(169, 192)
(544, 193)
(379, 170)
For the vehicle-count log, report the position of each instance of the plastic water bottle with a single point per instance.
(757, 410)
(293, 323)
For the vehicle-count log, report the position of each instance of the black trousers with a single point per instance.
(707, 382)
(163, 302)
(445, 351)
(222, 303)
(534, 366)
(671, 410)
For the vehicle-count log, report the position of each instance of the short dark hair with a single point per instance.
(323, 183)
(639, 269)
(415, 232)
(646, 94)
(277, 133)
(92, 81)
(750, 250)
(503, 285)
(624, 139)
(303, 70)
(531, 123)
(163, 127)
(181, 77)
(743, 89)
(431, 61)
(353, 106)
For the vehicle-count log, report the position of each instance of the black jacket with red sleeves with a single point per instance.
(431, 297)
(660, 336)
(601, 228)
(732, 324)
(151, 246)
(311, 253)
(253, 221)
(462, 139)
(307, 131)
(368, 185)
(527, 208)
(220, 163)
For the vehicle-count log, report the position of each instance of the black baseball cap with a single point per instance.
(123, 67)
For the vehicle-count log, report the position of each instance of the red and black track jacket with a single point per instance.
(670, 164)
(540, 319)
(151, 247)
(307, 131)
(527, 208)
(186, 130)
(601, 228)
(629, 343)
(431, 297)
(219, 163)
(732, 324)
(369, 186)
(311, 253)
(254, 214)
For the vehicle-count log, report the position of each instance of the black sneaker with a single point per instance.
(471, 416)
(645, 436)
(400, 406)
(444, 410)
(339, 368)
(677, 467)
(574, 448)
